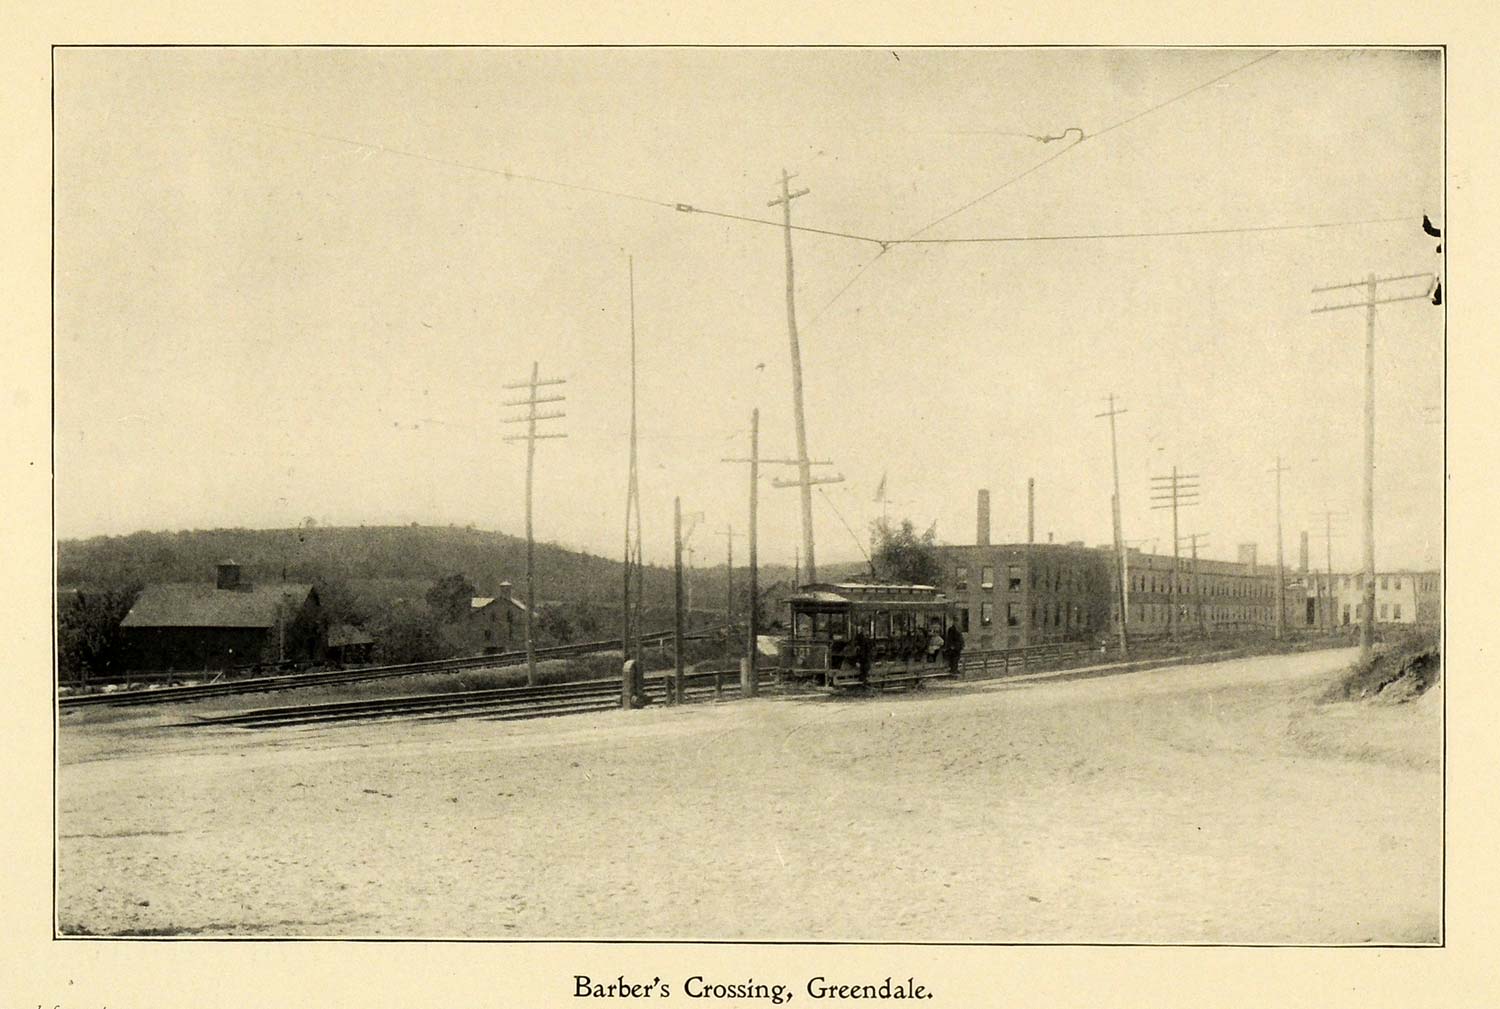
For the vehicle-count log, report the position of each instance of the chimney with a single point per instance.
(1031, 509)
(1247, 556)
(982, 534)
(505, 591)
(229, 575)
(1302, 554)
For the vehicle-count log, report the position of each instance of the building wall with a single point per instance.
(193, 649)
(1395, 597)
(1069, 592)
(1217, 594)
(493, 628)
(1026, 594)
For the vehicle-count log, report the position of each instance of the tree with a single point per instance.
(899, 554)
(449, 597)
(554, 626)
(88, 629)
(406, 631)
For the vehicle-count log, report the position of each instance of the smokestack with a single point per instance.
(229, 575)
(1247, 556)
(982, 534)
(1302, 554)
(1031, 509)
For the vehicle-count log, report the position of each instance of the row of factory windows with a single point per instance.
(1045, 614)
(1055, 579)
(1388, 611)
(1237, 587)
(1426, 583)
(1161, 613)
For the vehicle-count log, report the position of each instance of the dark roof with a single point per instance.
(347, 634)
(201, 605)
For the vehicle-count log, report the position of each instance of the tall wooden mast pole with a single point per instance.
(804, 464)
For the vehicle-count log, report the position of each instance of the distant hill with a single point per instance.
(389, 561)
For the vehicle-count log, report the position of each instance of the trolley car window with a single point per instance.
(838, 624)
(882, 624)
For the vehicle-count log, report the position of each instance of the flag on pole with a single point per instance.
(880, 490)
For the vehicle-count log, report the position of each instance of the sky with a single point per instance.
(293, 283)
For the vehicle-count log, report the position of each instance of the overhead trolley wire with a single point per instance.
(1082, 136)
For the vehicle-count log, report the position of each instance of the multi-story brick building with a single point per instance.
(1027, 593)
(1020, 594)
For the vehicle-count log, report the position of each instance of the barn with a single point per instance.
(187, 627)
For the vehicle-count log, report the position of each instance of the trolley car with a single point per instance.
(852, 634)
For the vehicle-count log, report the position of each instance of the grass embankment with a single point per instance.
(1402, 669)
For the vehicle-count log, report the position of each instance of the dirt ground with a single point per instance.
(1214, 803)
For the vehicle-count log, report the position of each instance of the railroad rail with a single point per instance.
(499, 704)
(292, 681)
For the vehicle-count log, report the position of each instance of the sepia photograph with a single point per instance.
(778, 494)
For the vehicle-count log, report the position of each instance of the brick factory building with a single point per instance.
(1018, 594)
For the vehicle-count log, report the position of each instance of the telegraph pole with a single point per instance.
(728, 533)
(1120, 557)
(749, 681)
(531, 436)
(675, 693)
(1280, 623)
(1197, 540)
(629, 690)
(1371, 285)
(1328, 537)
(804, 464)
(1175, 491)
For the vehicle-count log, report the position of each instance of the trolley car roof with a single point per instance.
(849, 593)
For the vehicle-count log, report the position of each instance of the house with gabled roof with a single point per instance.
(187, 627)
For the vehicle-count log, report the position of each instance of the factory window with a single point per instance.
(1385, 582)
(1385, 611)
(1398, 584)
(1013, 614)
(1013, 577)
(963, 620)
(961, 577)
(987, 576)
(1396, 612)
(986, 614)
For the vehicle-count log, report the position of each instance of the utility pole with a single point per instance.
(749, 683)
(1280, 559)
(1031, 504)
(1175, 491)
(1121, 561)
(1328, 538)
(1197, 540)
(530, 419)
(804, 464)
(693, 519)
(635, 684)
(1371, 285)
(677, 633)
(728, 533)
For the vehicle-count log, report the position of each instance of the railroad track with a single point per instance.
(500, 704)
(262, 684)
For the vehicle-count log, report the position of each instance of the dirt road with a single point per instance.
(1214, 803)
